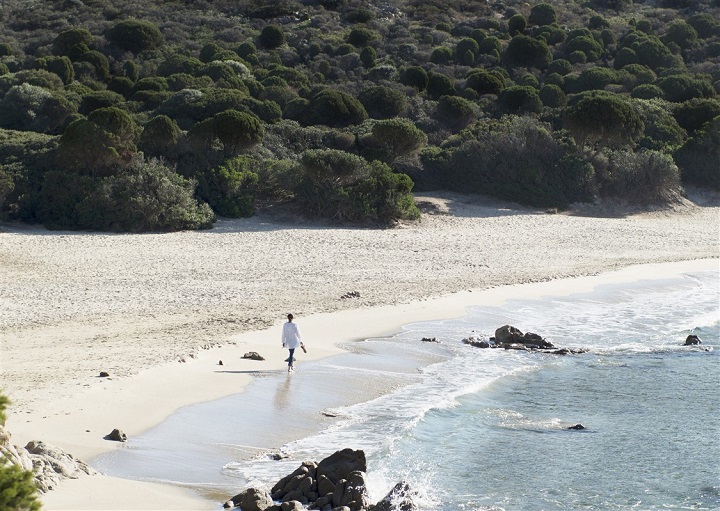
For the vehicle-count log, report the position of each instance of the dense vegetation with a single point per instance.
(17, 486)
(137, 116)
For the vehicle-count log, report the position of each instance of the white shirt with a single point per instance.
(291, 336)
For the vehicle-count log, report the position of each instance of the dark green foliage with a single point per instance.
(361, 36)
(121, 85)
(698, 158)
(33, 108)
(131, 70)
(98, 144)
(229, 188)
(414, 76)
(517, 24)
(603, 119)
(179, 64)
(542, 14)
(236, 131)
(135, 35)
(597, 22)
(246, 49)
(72, 42)
(61, 66)
(99, 99)
(17, 486)
(441, 55)
(272, 36)
(142, 197)
(483, 82)
(368, 56)
(36, 77)
(490, 45)
(440, 85)
(294, 77)
(560, 66)
(520, 99)
(643, 177)
(586, 44)
(662, 132)
(209, 51)
(641, 74)
(159, 137)
(682, 34)
(343, 187)
(552, 96)
(333, 108)
(650, 50)
(383, 102)
(705, 25)
(594, 78)
(467, 44)
(395, 138)
(625, 57)
(551, 34)
(455, 111)
(266, 110)
(694, 114)
(647, 91)
(520, 160)
(679, 88)
(98, 61)
(526, 51)
(6, 50)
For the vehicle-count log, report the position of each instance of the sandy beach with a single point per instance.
(159, 311)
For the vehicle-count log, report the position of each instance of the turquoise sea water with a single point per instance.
(473, 428)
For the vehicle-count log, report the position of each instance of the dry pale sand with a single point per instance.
(157, 311)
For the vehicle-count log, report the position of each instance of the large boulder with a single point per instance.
(252, 499)
(509, 335)
(341, 464)
(397, 499)
(352, 492)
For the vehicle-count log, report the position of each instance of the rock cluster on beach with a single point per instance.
(511, 338)
(337, 483)
(49, 464)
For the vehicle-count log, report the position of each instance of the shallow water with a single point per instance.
(474, 428)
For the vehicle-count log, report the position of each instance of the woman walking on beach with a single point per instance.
(291, 339)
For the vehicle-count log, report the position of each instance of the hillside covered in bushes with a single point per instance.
(162, 114)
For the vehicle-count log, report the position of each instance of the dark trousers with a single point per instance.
(290, 360)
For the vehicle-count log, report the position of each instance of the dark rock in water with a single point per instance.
(510, 335)
(692, 339)
(568, 351)
(117, 436)
(577, 427)
(398, 499)
(340, 464)
(104, 374)
(251, 499)
(476, 342)
(429, 339)
(220, 363)
(253, 355)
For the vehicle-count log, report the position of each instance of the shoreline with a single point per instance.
(323, 330)
(158, 311)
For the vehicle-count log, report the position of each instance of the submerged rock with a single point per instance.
(692, 340)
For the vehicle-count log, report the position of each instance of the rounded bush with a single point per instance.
(272, 36)
(361, 36)
(441, 55)
(383, 102)
(455, 111)
(542, 14)
(552, 96)
(484, 82)
(414, 76)
(526, 51)
(61, 66)
(72, 42)
(368, 56)
(647, 91)
(560, 66)
(159, 137)
(520, 99)
(517, 24)
(440, 85)
(599, 117)
(586, 44)
(333, 108)
(135, 36)
(99, 99)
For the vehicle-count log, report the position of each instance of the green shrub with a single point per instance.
(333, 108)
(383, 102)
(519, 159)
(414, 76)
(586, 44)
(662, 132)
(682, 34)
(599, 118)
(368, 57)
(345, 188)
(679, 88)
(698, 158)
(625, 57)
(561, 67)
(143, 197)
(526, 51)
(17, 486)
(135, 35)
(99, 63)
(694, 114)
(552, 96)
(542, 14)
(396, 138)
(484, 82)
(31, 108)
(99, 99)
(440, 85)
(647, 91)
(705, 25)
(236, 131)
(643, 177)
(441, 55)
(361, 36)
(229, 188)
(595, 78)
(272, 36)
(61, 66)
(72, 42)
(159, 137)
(177, 63)
(121, 85)
(489, 45)
(454, 111)
(517, 24)
(518, 99)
